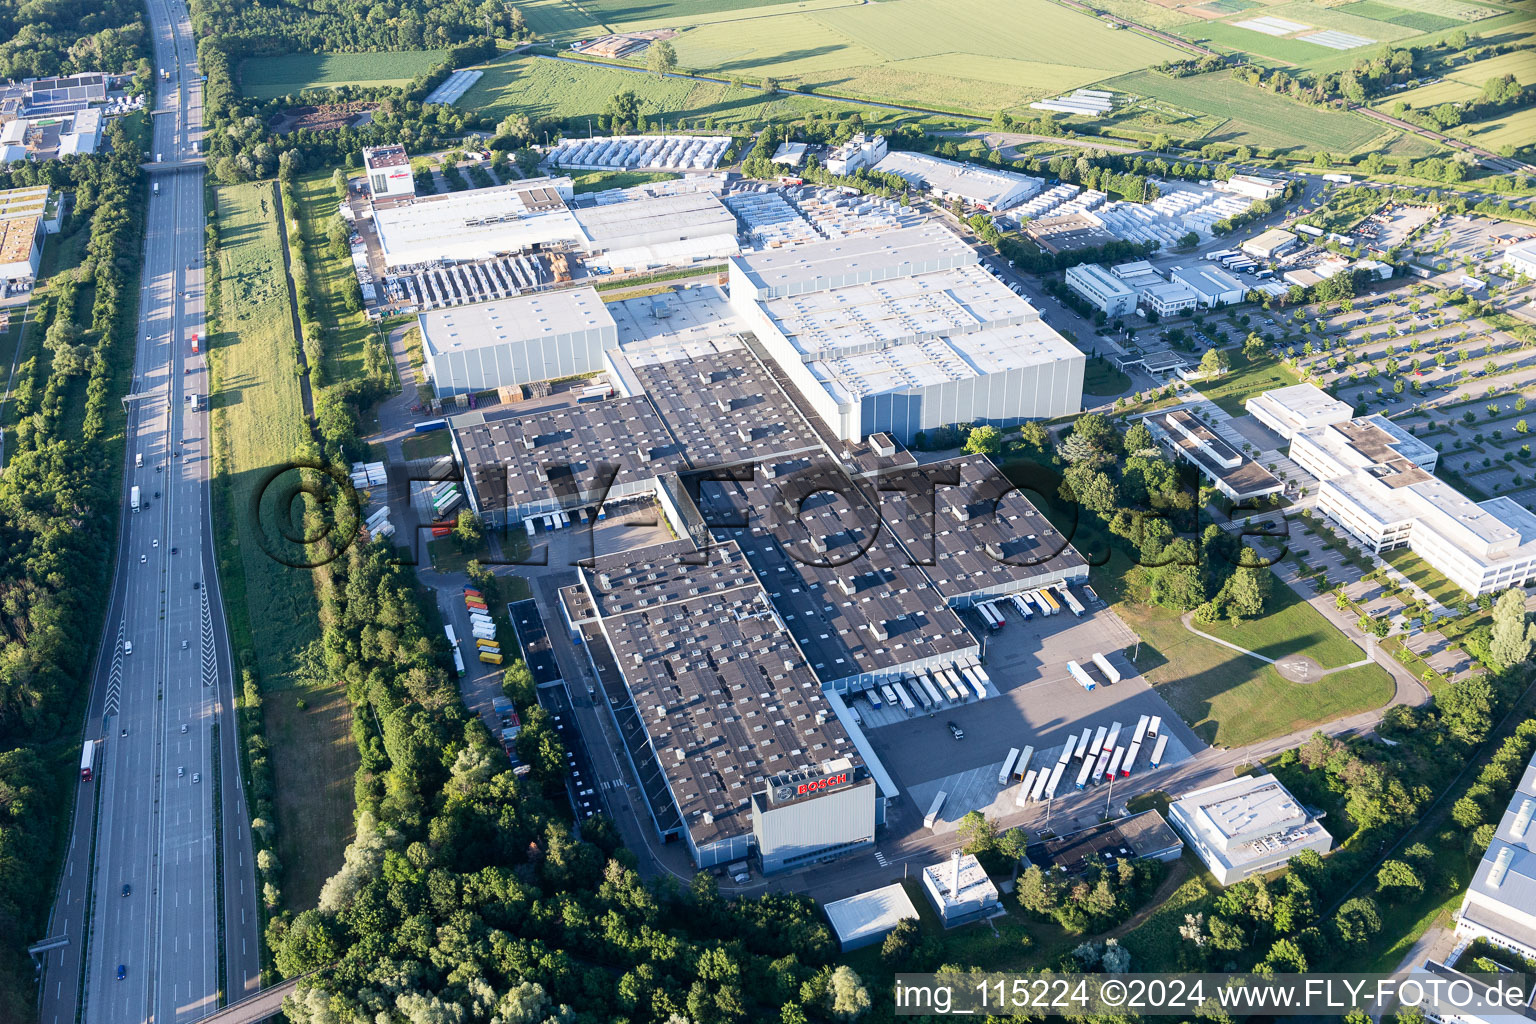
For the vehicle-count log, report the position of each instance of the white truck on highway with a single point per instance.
(133, 497)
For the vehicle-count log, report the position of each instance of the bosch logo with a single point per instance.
(825, 782)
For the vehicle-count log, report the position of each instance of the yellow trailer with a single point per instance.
(490, 657)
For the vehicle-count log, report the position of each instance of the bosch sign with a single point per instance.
(811, 787)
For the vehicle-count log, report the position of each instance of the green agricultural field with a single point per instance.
(1426, 96)
(1517, 129)
(265, 77)
(1520, 64)
(1457, 10)
(574, 90)
(1419, 21)
(567, 20)
(1151, 15)
(258, 426)
(1339, 18)
(1252, 115)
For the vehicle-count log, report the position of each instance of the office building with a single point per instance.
(1500, 904)
(1246, 826)
(388, 170)
(1521, 259)
(1104, 290)
(1289, 409)
(856, 154)
(1239, 478)
(1169, 298)
(1377, 481)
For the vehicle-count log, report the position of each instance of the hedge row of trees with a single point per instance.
(59, 504)
(468, 895)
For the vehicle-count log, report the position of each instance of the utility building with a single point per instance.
(1106, 291)
(389, 172)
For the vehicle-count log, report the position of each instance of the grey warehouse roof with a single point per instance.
(854, 259)
(724, 693)
(520, 318)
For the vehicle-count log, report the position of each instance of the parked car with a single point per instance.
(955, 731)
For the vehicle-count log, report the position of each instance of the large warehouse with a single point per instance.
(982, 187)
(21, 233)
(1500, 904)
(526, 338)
(753, 756)
(902, 331)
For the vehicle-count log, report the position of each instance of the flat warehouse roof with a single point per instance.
(981, 185)
(520, 318)
(518, 457)
(837, 601)
(859, 919)
(723, 692)
(23, 202)
(977, 533)
(17, 237)
(655, 220)
(475, 223)
(884, 253)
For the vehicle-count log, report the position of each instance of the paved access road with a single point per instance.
(166, 800)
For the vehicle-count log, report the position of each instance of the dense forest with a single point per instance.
(59, 504)
(466, 894)
(62, 37)
(330, 26)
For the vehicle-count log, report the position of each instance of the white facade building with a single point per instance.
(983, 187)
(1500, 904)
(516, 341)
(1169, 298)
(1252, 186)
(1521, 259)
(1245, 826)
(902, 331)
(856, 154)
(389, 172)
(1212, 285)
(1239, 478)
(960, 890)
(1106, 291)
(1377, 482)
(1287, 410)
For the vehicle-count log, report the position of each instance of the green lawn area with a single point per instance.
(1251, 115)
(1230, 699)
(1246, 379)
(1426, 576)
(272, 609)
(347, 334)
(427, 446)
(265, 77)
(1101, 378)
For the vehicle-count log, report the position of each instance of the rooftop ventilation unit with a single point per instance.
(1500, 867)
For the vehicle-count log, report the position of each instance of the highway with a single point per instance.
(166, 799)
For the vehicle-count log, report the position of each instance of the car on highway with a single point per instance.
(183, 726)
(127, 646)
(180, 771)
(122, 971)
(955, 731)
(197, 777)
(127, 889)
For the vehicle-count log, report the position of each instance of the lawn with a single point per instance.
(1254, 116)
(272, 609)
(1230, 699)
(347, 333)
(427, 446)
(265, 77)
(1101, 378)
(1426, 576)
(1244, 380)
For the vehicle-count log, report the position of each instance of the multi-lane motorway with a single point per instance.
(162, 831)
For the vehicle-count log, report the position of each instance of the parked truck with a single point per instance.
(1083, 678)
(932, 817)
(133, 497)
(1111, 674)
(1008, 763)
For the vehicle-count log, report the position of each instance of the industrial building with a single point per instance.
(526, 338)
(1144, 836)
(753, 757)
(388, 171)
(1239, 478)
(23, 212)
(1212, 285)
(868, 917)
(1521, 259)
(1104, 290)
(1069, 232)
(985, 188)
(1246, 826)
(1377, 481)
(857, 154)
(1252, 186)
(1500, 904)
(902, 331)
(1269, 244)
(960, 890)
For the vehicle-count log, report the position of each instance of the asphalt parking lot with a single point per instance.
(1038, 704)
